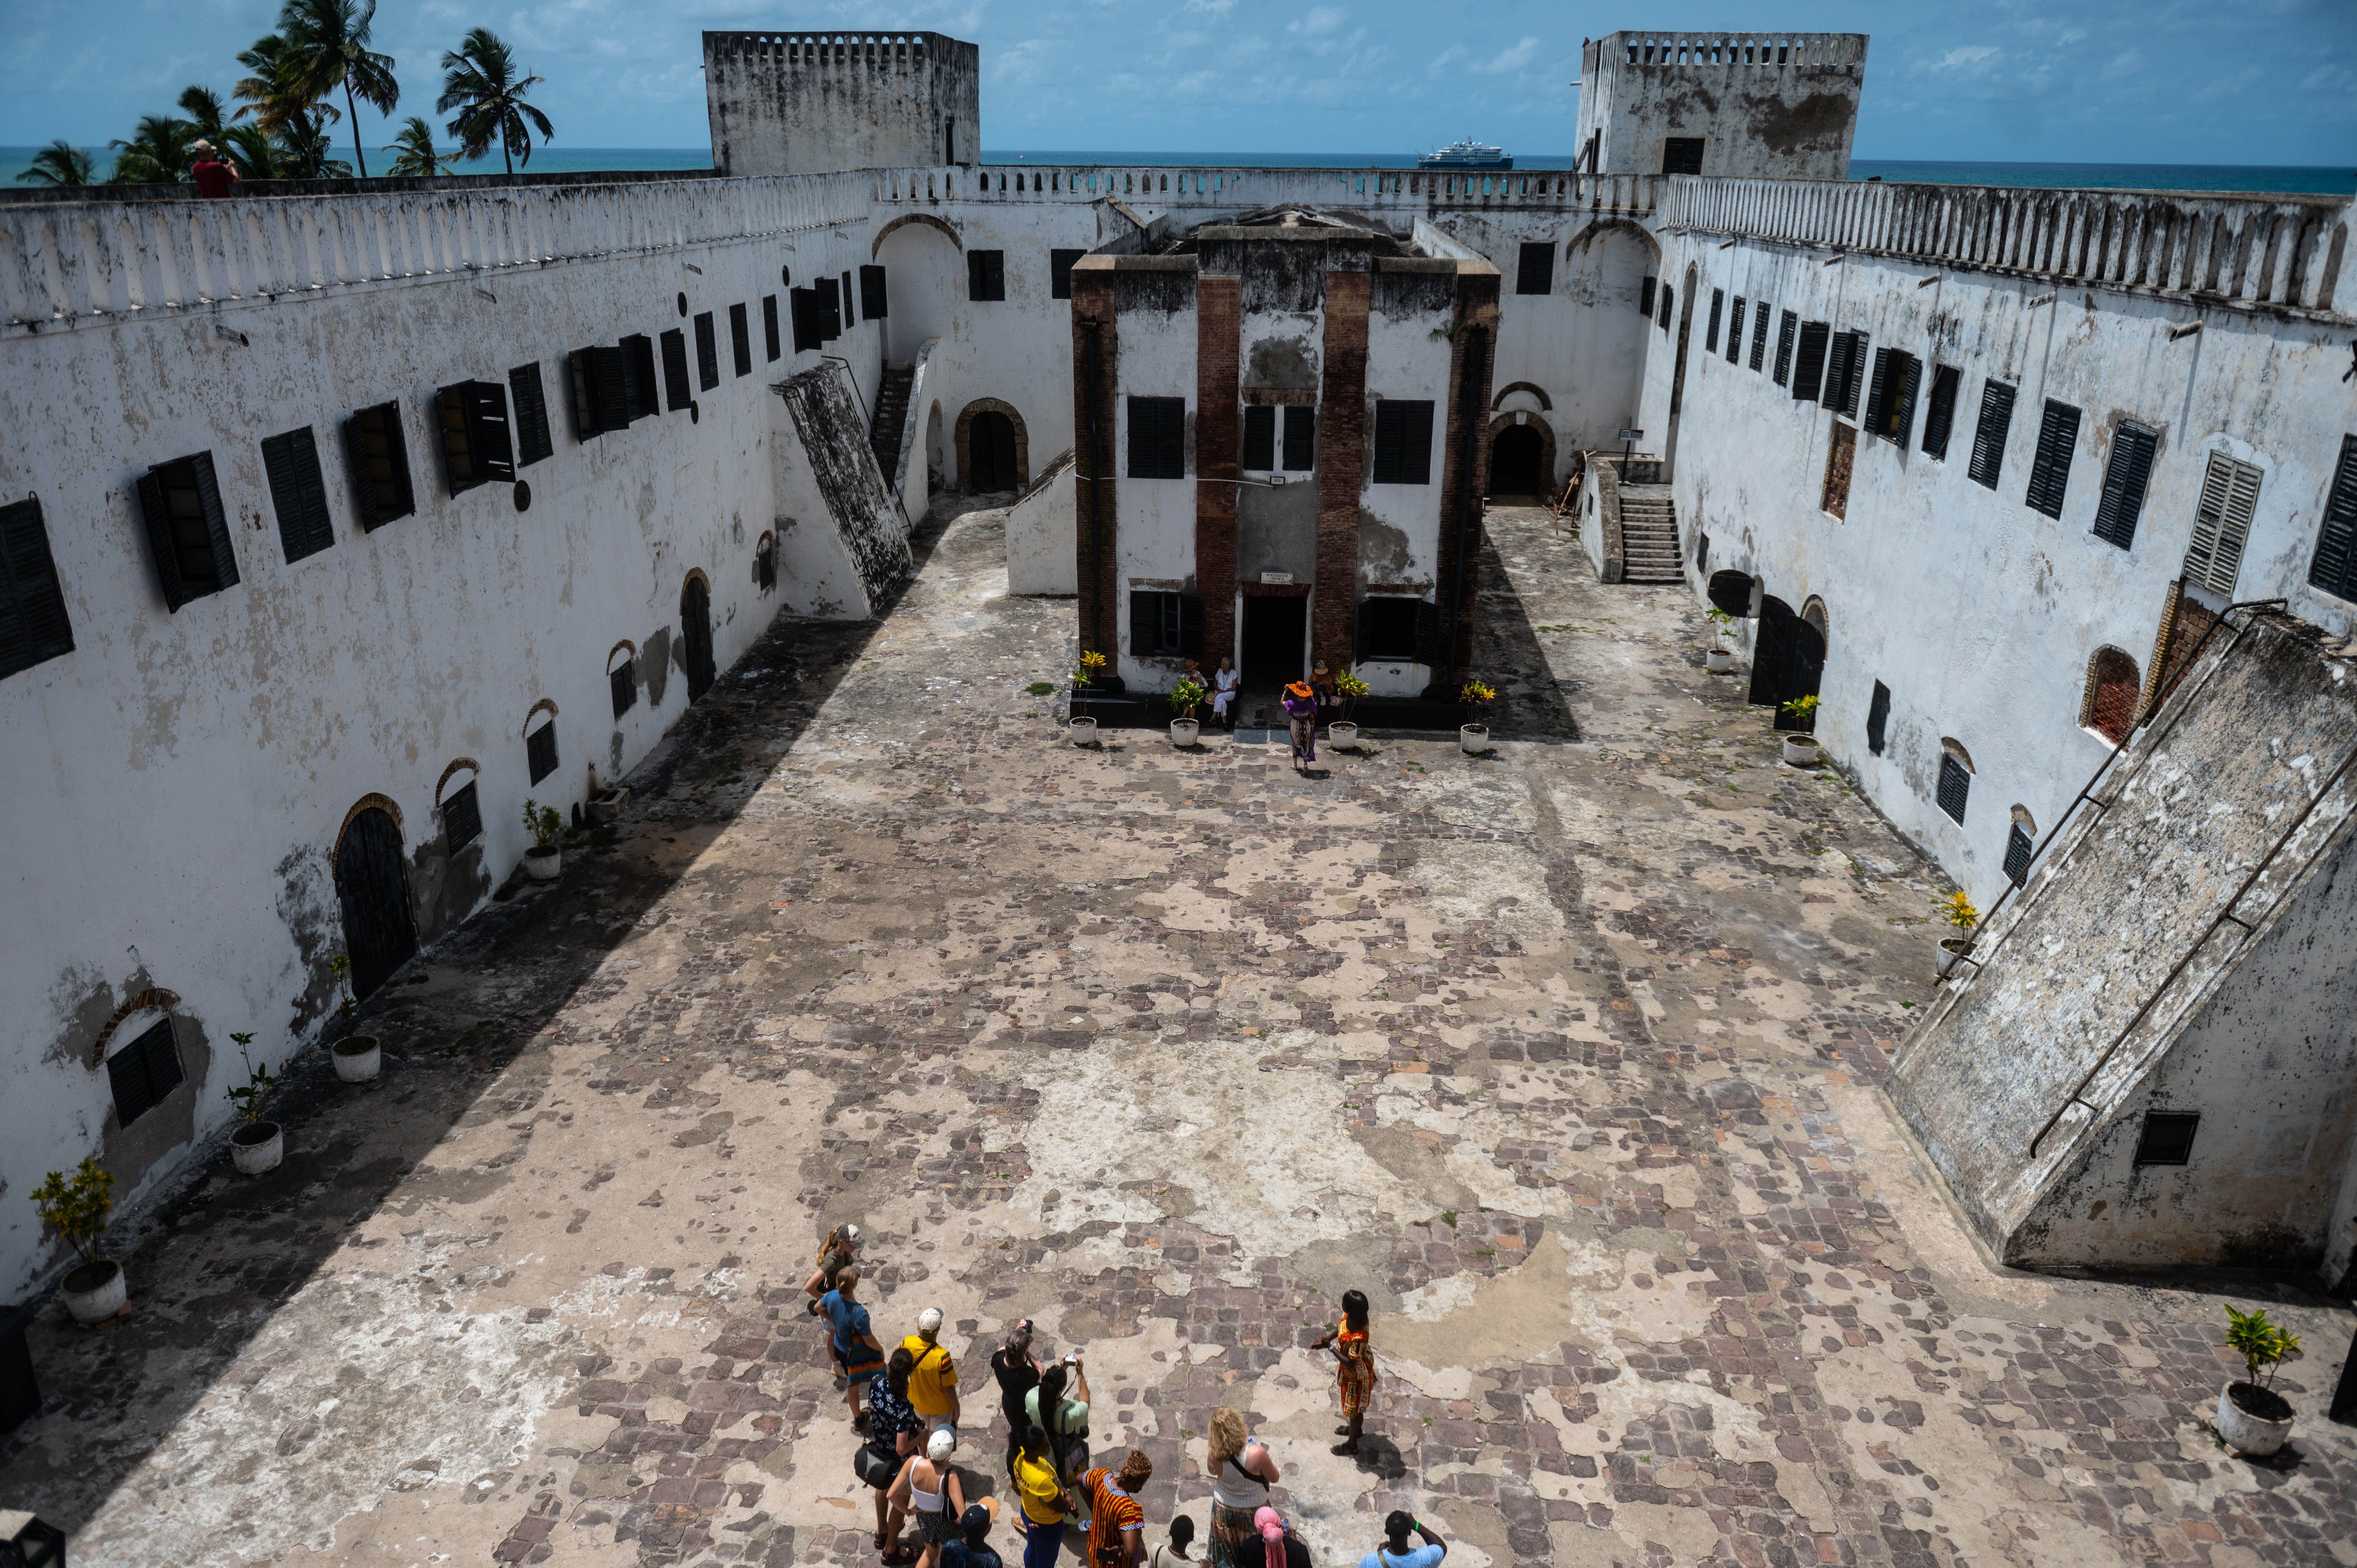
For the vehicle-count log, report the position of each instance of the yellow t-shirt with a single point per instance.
(932, 1380)
(1035, 1479)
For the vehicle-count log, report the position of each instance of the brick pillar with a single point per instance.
(1341, 459)
(1219, 338)
(1095, 352)
(1477, 307)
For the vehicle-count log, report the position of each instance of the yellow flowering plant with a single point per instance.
(1958, 911)
(1089, 664)
(1187, 696)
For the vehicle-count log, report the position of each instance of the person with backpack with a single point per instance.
(1065, 1420)
(858, 1354)
(1395, 1553)
(1355, 1369)
(1017, 1366)
(933, 1380)
(892, 1431)
(1041, 1492)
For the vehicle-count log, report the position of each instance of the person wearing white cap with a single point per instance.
(932, 1383)
(929, 1485)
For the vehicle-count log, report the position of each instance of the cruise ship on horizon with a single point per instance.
(1467, 154)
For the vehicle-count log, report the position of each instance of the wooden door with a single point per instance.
(372, 884)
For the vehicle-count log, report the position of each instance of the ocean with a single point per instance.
(2248, 177)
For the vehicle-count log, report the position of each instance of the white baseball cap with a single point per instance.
(929, 1322)
(941, 1444)
(851, 1237)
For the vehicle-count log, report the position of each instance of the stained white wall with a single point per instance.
(1155, 539)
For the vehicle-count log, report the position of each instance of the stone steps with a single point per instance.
(1648, 535)
(890, 417)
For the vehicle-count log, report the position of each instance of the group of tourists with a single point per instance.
(905, 1405)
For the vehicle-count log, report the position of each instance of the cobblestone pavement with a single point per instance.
(1567, 1056)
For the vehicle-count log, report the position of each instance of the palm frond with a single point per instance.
(61, 164)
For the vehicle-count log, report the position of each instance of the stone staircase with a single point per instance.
(1649, 534)
(890, 417)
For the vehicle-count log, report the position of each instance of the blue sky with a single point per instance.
(2262, 82)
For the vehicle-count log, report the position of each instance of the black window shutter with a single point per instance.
(1645, 298)
(1060, 273)
(708, 353)
(1145, 623)
(1735, 331)
(624, 683)
(1988, 437)
(874, 302)
(2335, 570)
(157, 513)
(1760, 313)
(33, 625)
(1428, 632)
(1809, 368)
(1837, 354)
(1955, 786)
(1300, 438)
(829, 310)
(142, 1072)
(1534, 271)
(298, 493)
(2125, 480)
(1190, 627)
(487, 428)
(1710, 331)
(1878, 399)
(2017, 851)
(540, 751)
(769, 323)
(995, 273)
(1669, 304)
(1785, 332)
(1409, 424)
(1171, 446)
(532, 435)
(1877, 719)
(1940, 414)
(642, 351)
(1362, 644)
(581, 378)
(798, 305)
(608, 389)
(2050, 474)
(676, 390)
(216, 520)
(462, 818)
(1260, 437)
(636, 392)
(978, 276)
(458, 448)
(1856, 374)
(740, 340)
(850, 319)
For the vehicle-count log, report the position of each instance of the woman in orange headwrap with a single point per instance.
(1354, 1373)
(1301, 713)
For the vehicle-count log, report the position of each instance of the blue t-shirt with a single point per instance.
(1383, 1557)
(850, 1320)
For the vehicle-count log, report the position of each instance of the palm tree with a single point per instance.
(157, 153)
(295, 127)
(254, 152)
(483, 82)
(272, 94)
(60, 163)
(203, 107)
(418, 159)
(327, 46)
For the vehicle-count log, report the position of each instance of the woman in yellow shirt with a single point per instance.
(1045, 1506)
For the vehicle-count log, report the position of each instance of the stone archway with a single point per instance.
(965, 435)
(927, 219)
(1602, 227)
(1547, 404)
(1521, 455)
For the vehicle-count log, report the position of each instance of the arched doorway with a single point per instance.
(372, 886)
(1787, 662)
(1516, 456)
(696, 635)
(991, 465)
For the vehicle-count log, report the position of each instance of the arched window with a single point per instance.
(540, 739)
(622, 676)
(2020, 843)
(2109, 707)
(461, 808)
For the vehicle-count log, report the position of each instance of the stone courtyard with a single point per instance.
(1567, 1056)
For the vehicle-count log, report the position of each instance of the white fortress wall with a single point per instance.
(1154, 541)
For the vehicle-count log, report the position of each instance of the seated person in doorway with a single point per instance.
(1225, 683)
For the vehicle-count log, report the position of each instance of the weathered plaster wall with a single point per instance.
(810, 102)
(1041, 557)
(1156, 545)
(1782, 107)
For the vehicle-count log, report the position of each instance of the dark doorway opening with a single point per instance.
(372, 884)
(1275, 628)
(1514, 458)
(695, 636)
(990, 445)
(1788, 661)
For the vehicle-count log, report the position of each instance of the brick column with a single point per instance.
(1095, 352)
(1341, 459)
(1219, 339)
(1477, 307)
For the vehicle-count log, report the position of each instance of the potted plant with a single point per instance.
(1084, 730)
(257, 1146)
(1718, 657)
(2253, 1418)
(1957, 910)
(76, 1208)
(545, 858)
(357, 1057)
(1800, 747)
(1341, 733)
(1185, 698)
(1474, 697)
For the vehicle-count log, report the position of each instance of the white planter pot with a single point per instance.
(1081, 732)
(1343, 736)
(357, 1058)
(542, 865)
(1473, 739)
(1184, 731)
(1951, 949)
(1719, 661)
(257, 1147)
(2253, 1436)
(1802, 750)
(96, 1300)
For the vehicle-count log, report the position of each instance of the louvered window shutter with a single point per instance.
(1988, 437)
(1145, 623)
(532, 441)
(217, 530)
(1534, 272)
(581, 378)
(1171, 447)
(1191, 626)
(707, 350)
(359, 438)
(1260, 437)
(1877, 402)
(2335, 567)
(298, 493)
(160, 544)
(1300, 437)
(610, 388)
(850, 318)
(2126, 478)
(874, 303)
(1669, 302)
(2221, 523)
(487, 428)
(2050, 474)
(1428, 632)
(1856, 374)
(1902, 411)
(1809, 368)
(740, 340)
(33, 624)
(801, 302)
(769, 325)
(1645, 298)
(1786, 330)
(1403, 443)
(1955, 788)
(1877, 719)
(1735, 332)
(1940, 417)
(648, 398)
(676, 390)
(1710, 330)
(1837, 368)
(1760, 333)
(2017, 851)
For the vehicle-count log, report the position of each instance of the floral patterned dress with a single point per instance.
(1354, 1375)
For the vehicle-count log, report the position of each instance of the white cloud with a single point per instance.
(2130, 63)
(1508, 59)
(1216, 7)
(1319, 22)
(1965, 59)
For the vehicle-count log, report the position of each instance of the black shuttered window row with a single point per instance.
(187, 533)
(298, 493)
(2049, 472)
(1157, 437)
(33, 624)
